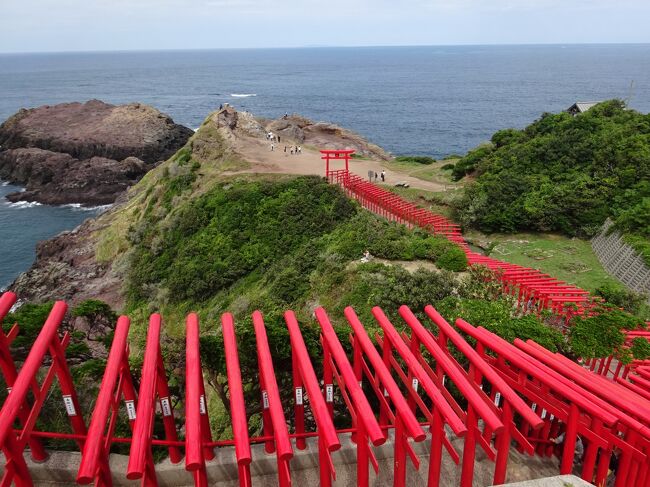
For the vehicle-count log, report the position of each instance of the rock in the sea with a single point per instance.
(84, 153)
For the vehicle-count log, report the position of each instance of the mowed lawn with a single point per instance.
(568, 259)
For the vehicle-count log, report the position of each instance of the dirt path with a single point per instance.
(258, 153)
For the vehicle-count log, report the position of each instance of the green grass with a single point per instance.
(436, 201)
(569, 259)
(426, 172)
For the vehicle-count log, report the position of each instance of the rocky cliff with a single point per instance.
(84, 153)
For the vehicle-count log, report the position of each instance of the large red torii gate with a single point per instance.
(329, 155)
(519, 392)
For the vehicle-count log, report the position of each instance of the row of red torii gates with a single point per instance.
(534, 290)
(396, 386)
(400, 386)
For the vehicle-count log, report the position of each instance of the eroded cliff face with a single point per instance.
(86, 153)
(324, 135)
(66, 268)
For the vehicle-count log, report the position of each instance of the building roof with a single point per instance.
(582, 106)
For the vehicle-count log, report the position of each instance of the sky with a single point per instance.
(89, 25)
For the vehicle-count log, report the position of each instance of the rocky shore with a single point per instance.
(87, 153)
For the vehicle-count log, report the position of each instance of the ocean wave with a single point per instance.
(242, 95)
(25, 204)
(80, 207)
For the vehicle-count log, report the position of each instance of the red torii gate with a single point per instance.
(520, 392)
(336, 155)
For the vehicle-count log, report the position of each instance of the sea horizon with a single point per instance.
(324, 46)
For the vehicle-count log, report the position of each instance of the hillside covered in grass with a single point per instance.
(563, 174)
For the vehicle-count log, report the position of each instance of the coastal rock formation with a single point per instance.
(296, 129)
(66, 268)
(84, 153)
(324, 136)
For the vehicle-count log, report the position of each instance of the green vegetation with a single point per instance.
(563, 174)
(497, 316)
(569, 259)
(416, 159)
(600, 336)
(243, 228)
(431, 172)
(90, 325)
(621, 297)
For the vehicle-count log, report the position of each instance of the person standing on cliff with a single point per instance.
(376, 175)
(272, 146)
(383, 176)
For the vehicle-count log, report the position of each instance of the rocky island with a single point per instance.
(86, 153)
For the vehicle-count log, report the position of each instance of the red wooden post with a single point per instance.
(275, 410)
(13, 446)
(237, 406)
(194, 459)
(327, 438)
(299, 404)
(140, 454)
(94, 458)
(10, 373)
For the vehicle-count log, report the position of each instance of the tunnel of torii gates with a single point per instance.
(419, 379)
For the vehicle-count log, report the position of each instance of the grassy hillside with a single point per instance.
(563, 174)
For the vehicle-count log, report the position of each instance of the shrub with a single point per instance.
(454, 259)
(231, 231)
(601, 335)
(640, 348)
(621, 297)
(416, 159)
(497, 317)
(562, 174)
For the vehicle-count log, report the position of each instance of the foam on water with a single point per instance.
(80, 207)
(25, 204)
(242, 95)
(25, 223)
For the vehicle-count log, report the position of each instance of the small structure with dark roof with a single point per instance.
(581, 107)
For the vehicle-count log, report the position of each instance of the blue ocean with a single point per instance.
(410, 100)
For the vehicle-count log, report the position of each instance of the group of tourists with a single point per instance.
(373, 174)
(293, 150)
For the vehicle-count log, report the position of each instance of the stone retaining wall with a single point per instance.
(621, 260)
(61, 468)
